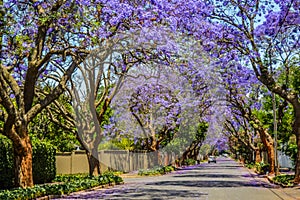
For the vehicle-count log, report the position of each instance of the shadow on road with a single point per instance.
(207, 183)
(196, 175)
(140, 193)
(205, 167)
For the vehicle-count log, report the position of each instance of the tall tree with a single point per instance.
(160, 110)
(265, 35)
(242, 98)
(240, 130)
(157, 112)
(34, 43)
(45, 41)
(193, 149)
(98, 80)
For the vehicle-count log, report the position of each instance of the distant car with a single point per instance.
(225, 155)
(212, 159)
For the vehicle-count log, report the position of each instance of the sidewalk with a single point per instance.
(285, 193)
(288, 192)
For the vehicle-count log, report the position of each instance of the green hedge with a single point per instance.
(67, 185)
(6, 163)
(43, 166)
(43, 162)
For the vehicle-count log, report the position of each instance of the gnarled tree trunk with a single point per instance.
(94, 164)
(190, 152)
(93, 157)
(268, 143)
(22, 160)
(257, 155)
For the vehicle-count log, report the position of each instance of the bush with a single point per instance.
(190, 161)
(262, 168)
(156, 171)
(250, 165)
(6, 163)
(43, 163)
(72, 183)
(284, 179)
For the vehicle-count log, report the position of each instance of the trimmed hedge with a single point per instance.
(6, 163)
(43, 162)
(67, 185)
(43, 166)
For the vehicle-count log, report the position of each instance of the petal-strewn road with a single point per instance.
(224, 180)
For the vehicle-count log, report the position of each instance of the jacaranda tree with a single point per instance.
(38, 39)
(99, 78)
(45, 41)
(270, 32)
(264, 34)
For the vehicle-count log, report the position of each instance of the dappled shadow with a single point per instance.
(225, 164)
(210, 166)
(207, 183)
(189, 167)
(208, 175)
(139, 193)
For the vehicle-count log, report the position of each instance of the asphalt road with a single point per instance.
(224, 180)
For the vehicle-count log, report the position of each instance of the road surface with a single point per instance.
(225, 180)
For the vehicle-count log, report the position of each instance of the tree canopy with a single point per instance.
(222, 48)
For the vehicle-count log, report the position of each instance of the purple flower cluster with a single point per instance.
(236, 36)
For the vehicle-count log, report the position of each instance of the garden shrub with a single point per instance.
(262, 168)
(190, 161)
(284, 179)
(250, 165)
(71, 183)
(6, 163)
(43, 162)
(158, 170)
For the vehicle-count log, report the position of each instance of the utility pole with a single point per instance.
(275, 133)
(274, 115)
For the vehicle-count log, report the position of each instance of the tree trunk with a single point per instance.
(257, 156)
(197, 150)
(94, 164)
(187, 153)
(167, 159)
(155, 161)
(293, 99)
(268, 143)
(271, 157)
(23, 163)
(297, 161)
(184, 156)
